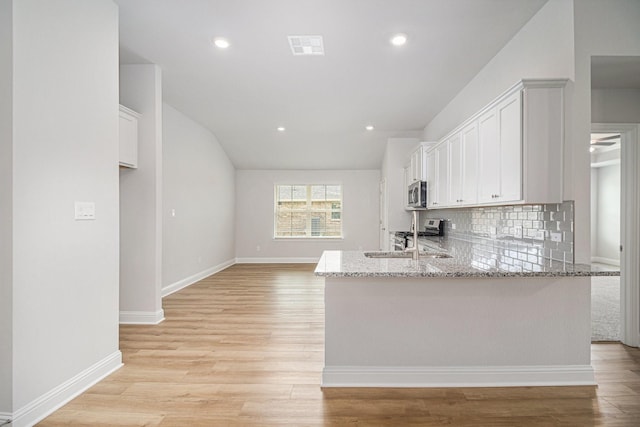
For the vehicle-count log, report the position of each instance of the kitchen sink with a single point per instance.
(399, 254)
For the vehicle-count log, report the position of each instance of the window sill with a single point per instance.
(309, 238)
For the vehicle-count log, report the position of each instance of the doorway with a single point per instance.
(615, 108)
(605, 235)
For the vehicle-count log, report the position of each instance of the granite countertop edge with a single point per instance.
(354, 264)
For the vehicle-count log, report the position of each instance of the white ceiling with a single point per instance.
(244, 93)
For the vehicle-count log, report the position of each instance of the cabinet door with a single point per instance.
(469, 161)
(432, 187)
(489, 157)
(128, 139)
(442, 175)
(455, 169)
(510, 135)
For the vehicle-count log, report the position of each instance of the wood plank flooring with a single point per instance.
(245, 348)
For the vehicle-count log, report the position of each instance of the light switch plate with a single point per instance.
(85, 210)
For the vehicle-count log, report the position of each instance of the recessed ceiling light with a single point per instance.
(281, 129)
(369, 127)
(399, 39)
(221, 42)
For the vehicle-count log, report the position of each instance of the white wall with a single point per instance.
(601, 29)
(543, 48)
(615, 106)
(65, 149)
(199, 186)
(141, 200)
(6, 205)
(255, 210)
(396, 157)
(607, 239)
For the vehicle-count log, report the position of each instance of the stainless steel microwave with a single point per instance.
(417, 197)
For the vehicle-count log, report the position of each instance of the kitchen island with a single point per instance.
(453, 322)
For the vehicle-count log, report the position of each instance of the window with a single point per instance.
(308, 211)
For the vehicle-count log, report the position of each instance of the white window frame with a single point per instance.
(309, 227)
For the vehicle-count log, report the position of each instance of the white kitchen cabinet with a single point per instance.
(432, 190)
(455, 169)
(500, 142)
(463, 161)
(511, 152)
(128, 137)
(417, 166)
(437, 166)
(442, 174)
(469, 163)
(418, 162)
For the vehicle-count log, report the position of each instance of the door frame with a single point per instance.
(629, 228)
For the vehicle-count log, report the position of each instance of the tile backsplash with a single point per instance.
(547, 227)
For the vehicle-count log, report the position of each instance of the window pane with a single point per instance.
(334, 192)
(308, 211)
(299, 192)
(284, 192)
(318, 192)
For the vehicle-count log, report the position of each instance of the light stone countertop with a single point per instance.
(468, 259)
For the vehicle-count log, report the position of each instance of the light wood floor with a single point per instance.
(245, 347)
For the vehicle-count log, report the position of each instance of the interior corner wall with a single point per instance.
(141, 200)
(6, 206)
(65, 149)
(255, 213)
(199, 202)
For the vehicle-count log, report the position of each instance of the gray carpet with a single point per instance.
(605, 308)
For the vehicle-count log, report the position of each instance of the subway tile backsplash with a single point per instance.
(546, 228)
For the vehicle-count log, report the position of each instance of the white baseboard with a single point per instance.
(176, 286)
(49, 402)
(4, 417)
(602, 260)
(283, 260)
(454, 376)
(141, 317)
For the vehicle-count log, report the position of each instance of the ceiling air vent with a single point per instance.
(306, 45)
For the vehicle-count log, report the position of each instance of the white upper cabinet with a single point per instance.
(455, 169)
(510, 152)
(128, 137)
(437, 164)
(469, 163)
(432, 191)
(418, 163)
(500, 139)
(463, 165)
(442, 174)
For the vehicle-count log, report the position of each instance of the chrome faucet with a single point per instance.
(414, 228)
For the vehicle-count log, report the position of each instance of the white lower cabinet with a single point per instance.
(128, 137)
